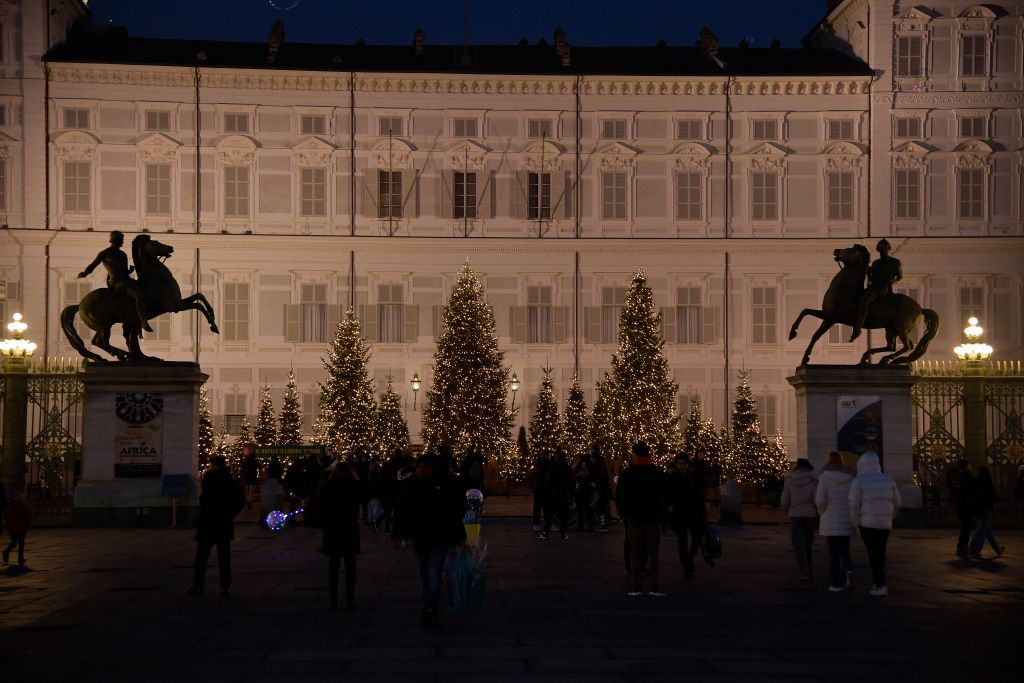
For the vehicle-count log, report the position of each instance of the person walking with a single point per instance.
(250, 474)
(17, 515)
(798, 496)
(584, 495)
(985, 499)
(960, 483)
(640, 499)
(473, 469)
(540, 475)
(219, 503)
(874, 502)
(832, 498)
(3, 505)
(339, 500)
(558, 482)
(603, 482)
(686, 509)
(430, 517)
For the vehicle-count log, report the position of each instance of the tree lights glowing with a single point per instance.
(752, 458)
(390, 431)
(577, 423)
(266, 428)
(347, 408)
(289, 431)
(545, 428)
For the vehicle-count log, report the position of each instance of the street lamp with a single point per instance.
(415, 388)
(974, 349)
(16, 346)
(514, 386)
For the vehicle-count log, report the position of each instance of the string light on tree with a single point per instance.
(347, 408)
(752, 458)
(289, 431)
(245, 436)
(207, 439)
(577, 423)
(391, 432)
(545, 428)
(701, 439)
(266, 425)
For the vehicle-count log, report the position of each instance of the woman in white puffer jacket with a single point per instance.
(874, 502)
(832, 498)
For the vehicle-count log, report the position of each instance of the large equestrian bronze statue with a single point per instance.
(128, 301)
(847, 302)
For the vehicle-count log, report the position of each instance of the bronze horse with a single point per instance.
(897, 314)
(101, 308)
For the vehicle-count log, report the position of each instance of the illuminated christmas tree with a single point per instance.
(266, 426)
(223, 443)
(701, 439)
(245, 435)
(642, 394)
(391, 431)
(545, 428)
(207, 439)
(466, 403)
(518, 464)
(577, 423)
(347, 408)
(601, 427)
(289, 432)
(752, 459)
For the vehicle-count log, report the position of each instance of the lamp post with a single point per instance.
(514, 386)
(415, 388)
(15, 351)
(972, 355)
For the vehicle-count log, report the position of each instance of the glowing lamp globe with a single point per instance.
(973, 349)
(16, 346)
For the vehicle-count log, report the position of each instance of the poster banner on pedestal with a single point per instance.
(858, 426)
(138, 435)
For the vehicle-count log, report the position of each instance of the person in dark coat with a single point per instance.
(984, 502)
(339, 499)
(540, 473)
(640, 499)
(473, 469)
(3, 505)
(960, 483)
(584, 495)
(430, 517)
(558, 485)
(18, 517)
(603, 482)
(389, 486)
(686, 509)
(295, 485)
(250, 474)
(219, 503)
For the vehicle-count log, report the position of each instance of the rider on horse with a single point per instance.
(882, 275)
(119, 278)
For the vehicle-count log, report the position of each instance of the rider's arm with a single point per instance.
(899, 271)
(92, 266)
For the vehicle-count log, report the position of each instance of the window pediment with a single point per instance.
(76, 145)
(157, 147)
(618, 156)
(313, 151)
(466, 155)
(979, 12)
(843, 156)
(237, 150)
(767, 156)
(393, 153)
(973, 154)
(542, 155)
(914, 19)
(909, 155)
(691, 156)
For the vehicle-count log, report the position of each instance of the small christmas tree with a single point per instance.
(391, 432)
(601, 427)
(207, 440)
(577, 423)
(245, 435)
(752, 458)
(289, 431)
(223, 447)
(517, 463)
(347, 408)
(266, 427)
(701, 440)
(545, 428)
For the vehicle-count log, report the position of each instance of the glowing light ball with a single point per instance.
(276, 521)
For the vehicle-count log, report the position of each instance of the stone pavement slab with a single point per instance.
(109, 605)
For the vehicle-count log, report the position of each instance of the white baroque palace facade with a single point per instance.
(326, 176)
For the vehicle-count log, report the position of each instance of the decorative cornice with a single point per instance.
(976, 99)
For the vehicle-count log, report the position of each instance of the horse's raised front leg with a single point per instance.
(822, 329)
(199, 302)
(890, 345)
(799, 319)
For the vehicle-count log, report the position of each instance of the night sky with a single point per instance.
(587, 22)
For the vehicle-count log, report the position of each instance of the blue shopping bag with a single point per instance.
(465, 583)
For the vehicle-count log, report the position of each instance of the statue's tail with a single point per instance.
(67, 324)
(931, 321)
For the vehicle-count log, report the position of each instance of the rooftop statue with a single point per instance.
(130, 302)
(848, 302)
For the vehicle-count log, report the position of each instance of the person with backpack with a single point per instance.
(798, 496)
(558, 484)
(17, 515)
(960, 483)
(985, 499)
(339, 500)
(832, 498)
(640, 499)
(686, 509)
(874, 501)
(219, 503)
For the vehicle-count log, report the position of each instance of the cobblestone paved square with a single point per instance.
(110, 605)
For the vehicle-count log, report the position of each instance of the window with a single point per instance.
(389, 194)
(840, 196)
(236, 191)
(840, 129)
(538, 128)
(764, 196)
(538, 196)
(764, 311)
(972, 192)
(313, 304)
(389, 313)
(765, 129)
(390, 125)
(689, 130)
(76, 118)
(538, 314)
(907, 184)
(613, 129)
(158, 120)
(908, 127)
(972, 127)
(158, 189)
(235, 311)
(464, 195)
(688, 196)
(909, 60)
(313, 124)
(839, 334)
(612, 301)
(464, 128)
(236, 123)
(972, 62)
(234, 412)
(613, 195)
(161, 328)
(971, 302)
(3, 187)
(767, 414)
(312, 192)
(77, 187)
(689, 316)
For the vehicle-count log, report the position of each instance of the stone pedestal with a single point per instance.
(819, 389)
(141, 424)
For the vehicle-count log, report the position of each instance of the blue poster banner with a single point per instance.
(859, 426)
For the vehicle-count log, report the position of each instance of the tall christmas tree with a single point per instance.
(601, 427)
(347, 408)
(466, 403)
(245, 435)
(391, 431)
(577, 423)
(545, 428)
(752, 458)
(701, 440)
(266, 427)
(207, 439)
(644, 400)
(289, 432)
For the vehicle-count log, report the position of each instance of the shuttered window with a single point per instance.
(907, 189)
(464, 195)
(235, 312)
(973, 59)
(764, 315)
(313, 312)
(839, 193)
(312, 192)
(389, 194)
(538, 196)
(689, 316)
(158, 189)
(764, 196)
(971, 183)
(389, 313)
(538, 314)
(612, 301)
(909, 56)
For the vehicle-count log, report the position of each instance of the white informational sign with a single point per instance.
(138, 435)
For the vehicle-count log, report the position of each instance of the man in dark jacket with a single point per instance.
(558, 485)
(960, 483)
(686, 509)
(603, 482)
(640, 499)
(430, 516)
(473, 469)
(540, 473)
(221, 500)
